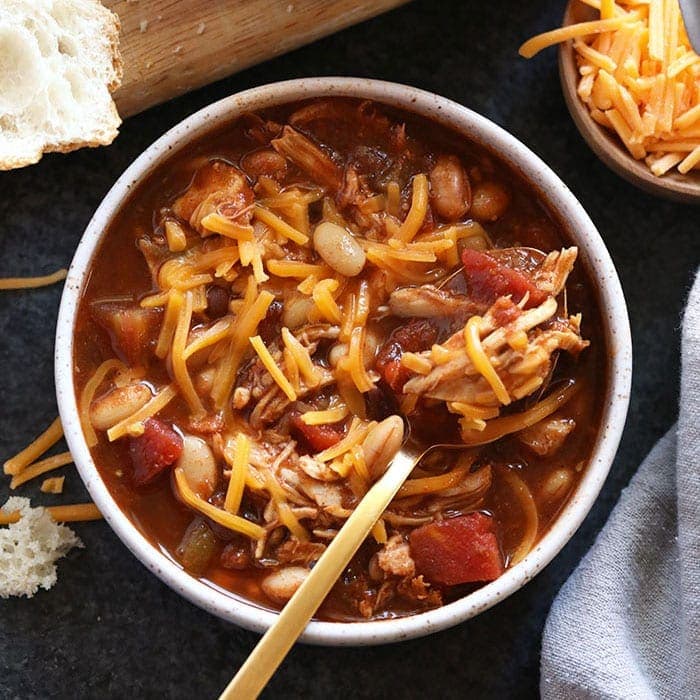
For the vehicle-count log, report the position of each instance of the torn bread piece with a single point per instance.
(30, 548)
(59, 64)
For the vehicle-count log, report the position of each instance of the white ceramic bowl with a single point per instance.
(563, 205)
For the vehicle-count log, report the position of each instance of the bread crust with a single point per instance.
(111, 27)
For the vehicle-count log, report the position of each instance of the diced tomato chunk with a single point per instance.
(417, 335)
(488, 279)
(318, 437)
(153, 452)
(457, 550)
(131, 330)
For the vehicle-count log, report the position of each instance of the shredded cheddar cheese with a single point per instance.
(175, 301)
(35, 449)
(431, 484)
(39, 468)
(237, 456)
(356, 434)
(246, 325)
(280, 226)
(293, 268)
(75, 512)
(7, 283)
(416, 363)
(175, 236)
(419, 208)
(323, 297)
(480, 360)
(379, 532)
(330, 415)
(88, 393)
(640, 78)
(271, 366)
(159, 401)
(216, 223)
(179, 362)
(222, 517)
(221, 330)
(301, 358)
(53, 484)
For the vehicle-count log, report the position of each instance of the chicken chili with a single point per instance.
(278, 289)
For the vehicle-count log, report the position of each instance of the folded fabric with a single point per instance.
(627, 622)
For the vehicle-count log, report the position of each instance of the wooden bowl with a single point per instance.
(606, 144)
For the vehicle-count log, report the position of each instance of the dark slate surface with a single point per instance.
(109, 629)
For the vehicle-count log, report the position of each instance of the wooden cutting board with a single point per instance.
(172, 46)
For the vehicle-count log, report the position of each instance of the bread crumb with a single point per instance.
(143, 25)
(177, 49)
(53, 484)
(30, 548)
(201, 27)
(290, 8)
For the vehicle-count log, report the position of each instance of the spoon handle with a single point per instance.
(278, 640)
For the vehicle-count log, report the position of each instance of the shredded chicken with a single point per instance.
(306, 155)
(428, 301)
(521, 371)
(395, 558)
(257, 383)
(555, 269)
(217, 188)
(546, 437)
(292, 551)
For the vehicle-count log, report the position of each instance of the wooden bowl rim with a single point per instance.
(607, 146)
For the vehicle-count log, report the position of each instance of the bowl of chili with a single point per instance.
(299, 261)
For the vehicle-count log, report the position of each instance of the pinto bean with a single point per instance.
(198, 463)
(489, 201)
(339, 249)
(381, 444)
(282, 584)
(449, 188)
(118, 404)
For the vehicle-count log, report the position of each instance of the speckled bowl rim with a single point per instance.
(562, 203)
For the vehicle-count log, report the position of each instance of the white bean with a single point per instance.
(118, 404)
(204, 381)
(296, 311)
(370, 347)
(556, 485)
(381, 444)
(281, 585)
(339, 249)
(337, 353)
(198, 463)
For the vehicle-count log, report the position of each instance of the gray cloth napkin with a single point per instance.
(627, 622)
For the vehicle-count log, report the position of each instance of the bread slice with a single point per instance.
(59, 64)
(29, 549)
